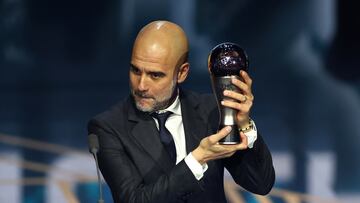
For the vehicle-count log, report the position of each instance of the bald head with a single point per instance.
(158, 65)
(162, 41)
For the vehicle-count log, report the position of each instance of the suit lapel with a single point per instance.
(146, 134)
(195, 126)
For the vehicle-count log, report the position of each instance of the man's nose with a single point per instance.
(143, 86)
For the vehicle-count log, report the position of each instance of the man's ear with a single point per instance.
(209, 63)
(183, 72)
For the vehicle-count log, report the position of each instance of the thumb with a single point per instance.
(219, 135)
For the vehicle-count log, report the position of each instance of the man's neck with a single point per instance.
(172, 98)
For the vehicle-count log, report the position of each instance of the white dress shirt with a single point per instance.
(176, 127)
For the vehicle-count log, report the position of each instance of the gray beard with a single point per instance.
(158, 105)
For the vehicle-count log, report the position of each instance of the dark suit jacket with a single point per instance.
(137, 168)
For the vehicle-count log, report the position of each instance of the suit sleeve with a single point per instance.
(124, 180)
(253, 168)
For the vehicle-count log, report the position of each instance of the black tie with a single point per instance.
(165, 136)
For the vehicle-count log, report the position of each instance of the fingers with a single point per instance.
(241, 107)
(241, 85)
(244, 100)
(246, 78)
(214, 139)
(244, 87)
(244, 142)
(223, 151)
(236, 96)
(210, 149)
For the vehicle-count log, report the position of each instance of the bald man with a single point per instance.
(144, 158)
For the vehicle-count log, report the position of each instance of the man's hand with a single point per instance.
(243, 101)
(210, 149)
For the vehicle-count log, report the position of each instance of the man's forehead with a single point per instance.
(153, 56)
(159, 44)
(150, 66)
(152, 50)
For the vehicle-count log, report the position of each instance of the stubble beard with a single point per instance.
(159, 102)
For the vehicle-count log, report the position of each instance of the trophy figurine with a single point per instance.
(225, 62)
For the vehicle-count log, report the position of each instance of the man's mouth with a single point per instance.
(142, 96)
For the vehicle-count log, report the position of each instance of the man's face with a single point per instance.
(152, 81)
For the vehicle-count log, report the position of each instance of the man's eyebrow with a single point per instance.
(148, 72)
(133, 66)
(157, 72)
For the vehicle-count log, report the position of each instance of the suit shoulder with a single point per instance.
(201, 98)
(206, 103)
(114, 113)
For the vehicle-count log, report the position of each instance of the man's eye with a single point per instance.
(135, 70)
(157, 75)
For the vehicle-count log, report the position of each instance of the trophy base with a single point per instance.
(232, 138)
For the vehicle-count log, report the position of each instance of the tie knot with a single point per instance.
(162, 117)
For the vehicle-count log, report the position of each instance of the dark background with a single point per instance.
(62, 62)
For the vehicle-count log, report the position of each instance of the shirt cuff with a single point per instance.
(196, 168)
(251, 135)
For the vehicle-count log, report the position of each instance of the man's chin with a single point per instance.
(150, 105)
(144, 107)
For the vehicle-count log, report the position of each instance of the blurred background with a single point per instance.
(64, 61)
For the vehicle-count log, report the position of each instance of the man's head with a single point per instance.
(158, 64)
